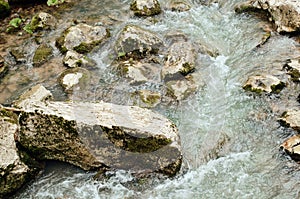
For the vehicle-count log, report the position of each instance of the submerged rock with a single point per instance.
(42, 54)
(284, 13)
(264, 83)
(180, 61)
(82, 38)
(100, 135)
(134, 41)
(145, 7)
(16, 168)
(4, 9)
(292, 147)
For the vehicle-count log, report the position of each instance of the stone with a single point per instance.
(264, 83)
(134, 41)
(145, 7)
(180, 61)
(81, 38)
(3, 67)
(42, 21)
(284, 13)
(16, 168)
(293, 69)
(74, 78)
(4, 9)
(147, 98)
(42, 54)
(291, 119)
(73, 59)
(181, 89)
(100, 135)
(292, 147)
(178, 5)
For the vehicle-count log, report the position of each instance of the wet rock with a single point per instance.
(292, 147)
(16, 168)
(140, 72)
(284, 13)
(180, 61)
(97, 135)
(74, 78)
(3, 67)
(178, 5)
(181, 89)
(145, 7)
(41, 21)
(293, 69)
(291, 119)
(42, 54)
(134, 41)
(73, 59)
(4, 9)
(82, 38)
(264, 83)
(147, 98)
(18, 54)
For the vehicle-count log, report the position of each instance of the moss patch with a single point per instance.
(4, 9)
(42, 54)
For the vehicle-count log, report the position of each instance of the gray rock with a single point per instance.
(145, 7)
(181, 89)
(134, 41)
(264, 83)
(180, 61)
(284, 13)
(178, 5)
(97, 135)
(147, 98)
(291, 147)
(82, 38)
(42, 21)
(14, 168)
(73, 59)
(291, 119)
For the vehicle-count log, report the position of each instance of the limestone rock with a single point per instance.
(97, 135)
(74, 78)
(264, 83)
(293, 69)
(292, 146)
(73, 59)
(145, 7)
(134, 41)
(178, 5)
(284, 13)
(42, 54)
(181, 89)
(14, 168)
(81, 38)
(180, 61)
(42, 21)
(291, 119)
(4, 9)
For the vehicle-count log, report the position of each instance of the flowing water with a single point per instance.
(230, 138)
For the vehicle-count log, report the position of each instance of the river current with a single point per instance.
(249, 164)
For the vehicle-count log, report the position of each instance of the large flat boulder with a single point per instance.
(16, 168)
(284, 13)
(99, 135)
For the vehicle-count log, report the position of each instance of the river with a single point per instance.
(249, 164)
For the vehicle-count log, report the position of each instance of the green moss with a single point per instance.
(250, 88)
(59, 43)
(277, 88)
(150, 99)
(145, 11)
(187, 68)
(85, 47)
(8, 116)
(4, 9)
(42, 53)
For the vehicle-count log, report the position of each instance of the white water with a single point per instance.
(249, 165)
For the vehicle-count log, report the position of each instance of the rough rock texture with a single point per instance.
(3, 67)
(291, 119)
(42, 21)
(147, 98)
(4, 9)
(73, 59)
(42, 54)
(14, 168)
(292, 147)
(82, 38)
(264, 83)
(178, 5)
(284, 13)
(293, 69)
(134, 41)
(145, 7)
(97, 135)
(180, 61)
(74, 78)
(181, 89)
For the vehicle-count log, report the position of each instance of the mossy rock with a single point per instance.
(41, 21)
(145, 7)
(4, 9)
(42, 54)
